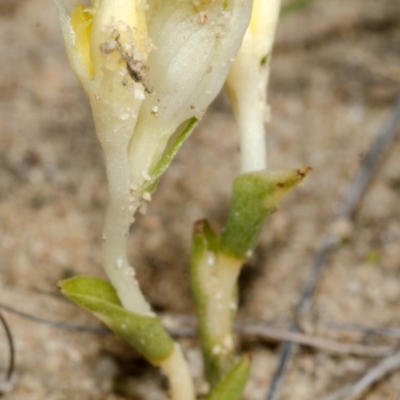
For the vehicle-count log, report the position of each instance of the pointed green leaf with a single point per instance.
(255, 196)
(204, 239)
(145, 333)
(293, 6)
(169, 155)
(232, 385)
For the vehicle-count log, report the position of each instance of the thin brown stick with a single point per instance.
(270, 333)
(56, 324)
(331, 346)
(389, 332)
(346, 209)
(10, 341)
(185, 326)
(374, 375)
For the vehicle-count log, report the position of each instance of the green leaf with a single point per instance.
(166, 160)
(145, 333)
(204, 239)
(294, 6)
(233, 383)
(255, 196)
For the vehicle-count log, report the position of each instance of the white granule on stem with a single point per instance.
(124, 116)
(129, 271)
(249, 253)
(147, 196)
(211, 259)
(228, 342)
(216, 350)
(218, 295)
(123, 71)
(119, 263)
(108, 47)
(202, 17)
(139, 93)
(146, 176)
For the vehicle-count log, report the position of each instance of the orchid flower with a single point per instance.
(150, 70)
(195, 44)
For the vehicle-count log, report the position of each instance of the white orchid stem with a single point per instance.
(176, 368)
(116, 230)
(247, 83)
(252, 141)
(246, 87)
(114, 134)
(122, 204)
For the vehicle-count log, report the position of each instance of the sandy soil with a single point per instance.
(335, 78)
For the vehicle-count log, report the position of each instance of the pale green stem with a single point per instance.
(114, 135)
(115, 234)
(218, 277)
(176, 368)
(250, 115)
(223, 303)
(247, 85)
(122, 205)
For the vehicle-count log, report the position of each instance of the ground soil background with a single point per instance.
(335, 78)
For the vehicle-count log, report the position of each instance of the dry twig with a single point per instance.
(331, 346)
(385, 331)
(346, 209)
(11, 358)
(375, 374)
(185, 326)
(57, 324)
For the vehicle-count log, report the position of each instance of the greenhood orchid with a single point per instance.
(150, 69)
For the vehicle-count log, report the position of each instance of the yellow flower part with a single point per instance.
(201, 5)
(82, 23)
(264, 18)
(104, 37)
(119, 35)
